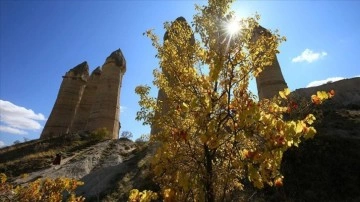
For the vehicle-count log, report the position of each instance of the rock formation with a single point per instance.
(87, 103)
(106, 109)
(162, 100)
(270, 81)
(67, 101)
(347, 92)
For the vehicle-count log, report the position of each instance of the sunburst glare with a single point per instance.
(233, 27)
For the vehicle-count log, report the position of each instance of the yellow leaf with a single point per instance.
(310, 133)
(287, 91)
(315, 99)
(322, 95)
(283, 94)
(310, 118)
(299, 127)
(134, 194)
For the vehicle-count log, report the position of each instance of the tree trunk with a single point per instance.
(209, 189)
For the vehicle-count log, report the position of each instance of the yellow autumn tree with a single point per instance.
(42, 190)
(212, 132)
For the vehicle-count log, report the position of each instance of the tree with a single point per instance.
(214, 134)
(126, 134)
(16, 142)
(143, 138)
(50, 190)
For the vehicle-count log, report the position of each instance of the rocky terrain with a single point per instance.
(325, 168)
(104, 167)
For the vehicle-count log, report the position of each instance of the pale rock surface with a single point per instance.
(97, 166)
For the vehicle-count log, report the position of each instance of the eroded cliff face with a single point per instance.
(88, 103)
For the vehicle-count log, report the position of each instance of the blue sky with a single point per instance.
(41, 40)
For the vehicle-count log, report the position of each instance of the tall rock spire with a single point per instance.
(106, 108)
(67, 101)
(271, 80)
(87, 102)
(162, 98)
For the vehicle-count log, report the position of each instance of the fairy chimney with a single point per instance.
(67, 101)
(271, 80)
(162, 99)
(106, 108)
(88, 103)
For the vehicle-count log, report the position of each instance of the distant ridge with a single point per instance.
(347, 91)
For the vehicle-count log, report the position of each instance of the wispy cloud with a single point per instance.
(309, 56)
(18, 120)
(2, 144)
(321, 82)
(8, 129)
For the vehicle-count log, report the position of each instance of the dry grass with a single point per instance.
(38, 154)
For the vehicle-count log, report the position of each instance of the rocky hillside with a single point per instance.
(347, 92)
(325, 168)
(109, 169)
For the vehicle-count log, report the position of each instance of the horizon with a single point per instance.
(40, 41)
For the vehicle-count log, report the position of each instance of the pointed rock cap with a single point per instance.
(118, 58)
(80, 70)
(183, 20)
(97, 71)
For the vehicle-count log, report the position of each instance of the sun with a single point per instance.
(233, 27)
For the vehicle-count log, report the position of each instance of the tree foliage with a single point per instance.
(126, 134)
(143, 138)
(144, 196)
(214, 134)
(45, 190)
(16, 142)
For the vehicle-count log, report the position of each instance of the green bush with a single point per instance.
(99, 134)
